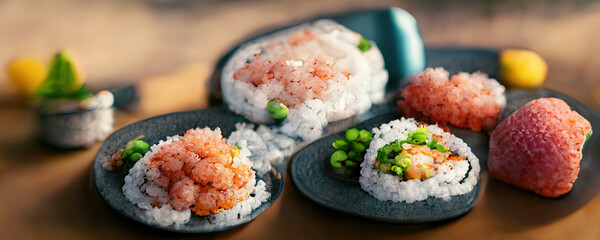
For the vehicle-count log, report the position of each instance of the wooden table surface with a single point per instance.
(47, 193)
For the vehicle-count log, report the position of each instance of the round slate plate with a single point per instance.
(585, 188)
(311, 174)
(109, 184)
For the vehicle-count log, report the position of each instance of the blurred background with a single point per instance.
(121, 42)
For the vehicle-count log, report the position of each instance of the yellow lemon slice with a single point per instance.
(522, 68)
(27, 74)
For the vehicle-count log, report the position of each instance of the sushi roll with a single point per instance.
(197, 173)
(74, 124)
(304, 77)
(409, 162)
(538, 147)
(466, 100)
(71, 116)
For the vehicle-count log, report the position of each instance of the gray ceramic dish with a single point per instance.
(312, 175)
(109, 184)
(314, 178)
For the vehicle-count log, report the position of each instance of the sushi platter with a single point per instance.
(393, 38)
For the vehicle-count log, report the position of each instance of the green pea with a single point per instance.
(365, 136)
(277, 110)
(140, 146)
(364, 45)
(337, 158)
(352, 154)
(127, 152)
(341, 145)
(355, 156)
(350, 163)
(352, 134)
(135, 157)
(359, 147)
(358, 157)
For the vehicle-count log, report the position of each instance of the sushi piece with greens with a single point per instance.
(196, 174)
(409, 162)
(71, 115)
(304, 77)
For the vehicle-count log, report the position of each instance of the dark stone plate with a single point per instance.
(109, 184)
(313, 177)
(506, 201)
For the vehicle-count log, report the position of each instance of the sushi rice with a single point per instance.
(357, 80)
(458, 179)
(267, 145)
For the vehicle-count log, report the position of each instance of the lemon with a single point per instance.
(27, 74)
(522, 68)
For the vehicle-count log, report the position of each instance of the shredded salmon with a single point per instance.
(199, 172)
